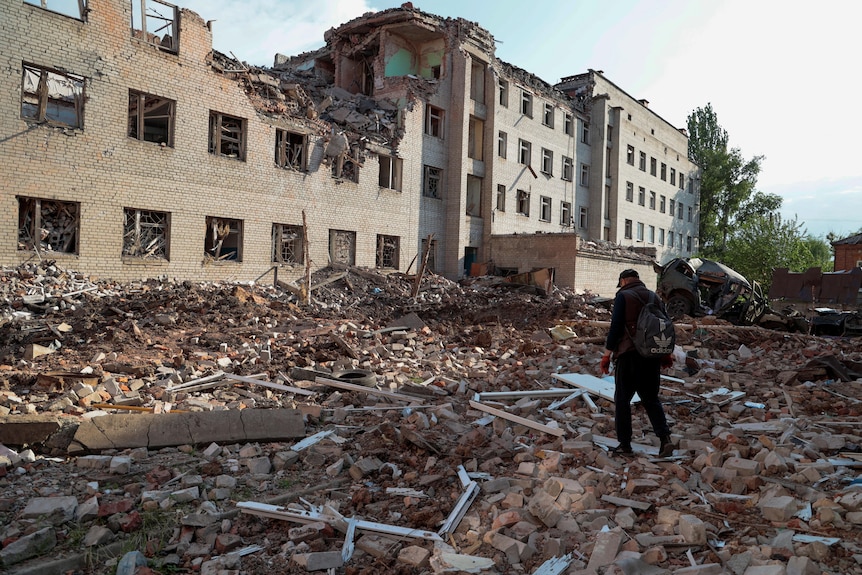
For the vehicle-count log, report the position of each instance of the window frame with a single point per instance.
(630, 155)
(81, 11)
(642, 161)
(381, 259)
(525, 150)
(214, 244)
(390, 172)
(641, 196)
(291, 154)
(35, 209)
(652, 198)
(526, 104)
(566, 214)
(583, 217)
(218, 140)
(548, 115)
(141, 116)
(568, 169)
(40, 98)
(585, 175)
(522, 204)
(134, 234)
(435, 119)
(627, 230)
(432, 174)
(585, 133)
(545, 208)
(547, 162)
(500, 200)
(502, 144)
(568, 124)
(279, 241)
(142, 34)
(503, 93)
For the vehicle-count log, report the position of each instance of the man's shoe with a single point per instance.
(622, 449)
(666, 448)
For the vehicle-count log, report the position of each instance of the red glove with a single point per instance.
(667, 361)
(605, 364)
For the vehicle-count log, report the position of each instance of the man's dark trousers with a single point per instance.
(637, 374)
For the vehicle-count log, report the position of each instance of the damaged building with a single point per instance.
(139, 151)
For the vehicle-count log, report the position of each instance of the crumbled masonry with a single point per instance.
(479, 445)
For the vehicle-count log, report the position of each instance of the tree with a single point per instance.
(763, 242)
(727, 181)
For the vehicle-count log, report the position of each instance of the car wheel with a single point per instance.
(357, 376)
(678, 306)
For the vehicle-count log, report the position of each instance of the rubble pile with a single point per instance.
(166, 427)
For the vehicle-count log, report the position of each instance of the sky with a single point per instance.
(779, 75)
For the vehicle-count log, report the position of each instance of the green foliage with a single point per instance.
(727, 182)
(762, 243)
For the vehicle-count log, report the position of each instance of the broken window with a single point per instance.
(548, 117)
(52, 96)
(223, 240)
(526, 103)
(568, 169)
(547, 162)
(287, 244)
(433, 185)
(504, 93)
(145, 234)
(390, 172)
(346, 168)
(227, 136)
(630, 155)
(156, 23)
(585, 175)
(433, 121)
(525, 149)
(474, 196)
(501, 197)
(545, 208)
(73, 8)
(477, 82)
(431, 257)
(48, 225)
(502, 144)
(290, 150)
(151, 118)
(630, 192)
(582, 217)
(387, 252)
(628, 230)
(569, 125)
(523, 200)
(565, 214)
(342, 247)
(585, 133)
(475, 138)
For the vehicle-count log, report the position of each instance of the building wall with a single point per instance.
(599, 273)
(617, 122)
(105, 171)
(847, 256)
(529, 252)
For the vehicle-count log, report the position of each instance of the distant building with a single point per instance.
(848, 253)
(139, 151)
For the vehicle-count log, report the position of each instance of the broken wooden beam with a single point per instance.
(556, 431)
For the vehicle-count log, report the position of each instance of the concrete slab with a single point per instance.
(171, 429)
(31, 429)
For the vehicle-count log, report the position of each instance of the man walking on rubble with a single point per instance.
(633, 372)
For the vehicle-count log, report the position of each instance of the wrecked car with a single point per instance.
(698, 287)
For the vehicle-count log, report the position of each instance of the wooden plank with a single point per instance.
(556, 431)
(621, 502)
(364, 389)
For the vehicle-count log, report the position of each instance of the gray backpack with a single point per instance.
(654, 334)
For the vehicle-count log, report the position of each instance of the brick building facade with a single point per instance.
(848, 253)
(139, 151)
